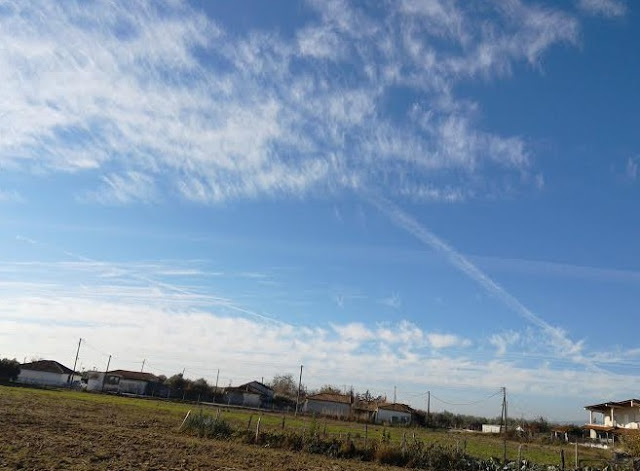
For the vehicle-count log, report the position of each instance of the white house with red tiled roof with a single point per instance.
(123, 382)
(393, 414)
(47, 373)
(334, 405)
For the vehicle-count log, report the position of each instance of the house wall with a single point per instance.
(490, 428)
(334, 409)
(393, 417)
(628, 417)
(44, 378)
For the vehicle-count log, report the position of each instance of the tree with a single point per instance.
(200, 386)
(9, 369)
(330, 389)
(284, 385)
(177, 382)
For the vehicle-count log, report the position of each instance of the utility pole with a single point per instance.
(503, 422)
(75, 363)
(299, 388)
(217, 377)
(143, 362)
(104, 376)
(394, 394)
(428, 407)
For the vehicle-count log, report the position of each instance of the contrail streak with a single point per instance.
(403, 220)
(168, 286)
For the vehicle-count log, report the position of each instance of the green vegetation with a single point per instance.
(9, 369)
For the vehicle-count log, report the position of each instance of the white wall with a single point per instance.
(334, 409)
(393, 417)
(44, 378)
(628, 417)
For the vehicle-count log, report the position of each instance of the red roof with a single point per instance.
(47, 366)
(134, 375)
(329, 397)
(396, 407)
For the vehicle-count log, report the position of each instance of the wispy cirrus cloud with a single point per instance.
(607, 8)
(129, 97)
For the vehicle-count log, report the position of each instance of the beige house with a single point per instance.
(606, 418)
(334, 405)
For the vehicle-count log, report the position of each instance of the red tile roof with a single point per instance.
(329, 397)
(396, 407)
(47, 366)
(134, 375)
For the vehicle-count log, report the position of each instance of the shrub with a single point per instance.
(631, 442)
(9, 369)
(205, 425)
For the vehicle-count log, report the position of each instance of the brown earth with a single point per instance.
(42, 430)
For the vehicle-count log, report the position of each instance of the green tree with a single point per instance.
(9, 369)
(284, 385)
(200, 386)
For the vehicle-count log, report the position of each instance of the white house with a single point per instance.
(123, 382)
(334, 405)
(393, 414)
(252, 394)
(491, 428)
(47, 373)
(606, 418)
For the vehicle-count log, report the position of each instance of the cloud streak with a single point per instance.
(135, 100)
(558, 339)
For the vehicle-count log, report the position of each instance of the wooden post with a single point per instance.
(562, 459)
(217, 413)
(282, 421)
(258, 429)
(250, 419)
(576, 454)
(366, 435)
(504, 450)
(519, 455)
(185, 419)
(404, 442)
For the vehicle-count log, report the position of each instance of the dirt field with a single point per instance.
(66, 430)
(72, 431)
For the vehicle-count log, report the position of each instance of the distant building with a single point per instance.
(47, 373)
(252, 394)
(329, 404)
(125, 382)
(394, 414)
(492, 428)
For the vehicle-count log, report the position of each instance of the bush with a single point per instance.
(9, 369)
(631, 442)
(205, 425)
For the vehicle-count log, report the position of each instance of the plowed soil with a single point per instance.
(42, 430)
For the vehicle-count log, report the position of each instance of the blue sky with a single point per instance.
(434, 195)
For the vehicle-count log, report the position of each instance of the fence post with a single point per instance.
(250, 419)
(282, 421)
(576, 454)
(217, 414)
(185, 419)
(258, 429)
(366, 433)
(404, 442)
(562, 459)
(519, 455)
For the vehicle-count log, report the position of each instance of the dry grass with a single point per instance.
(67, 430)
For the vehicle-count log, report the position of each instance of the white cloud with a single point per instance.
(503, 341)
(606, 8)
(632, 168)
(438, 341)
(11, 196)
(120, 93)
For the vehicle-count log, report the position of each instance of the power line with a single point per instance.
(466, 403)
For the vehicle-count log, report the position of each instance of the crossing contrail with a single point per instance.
(400, 218)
